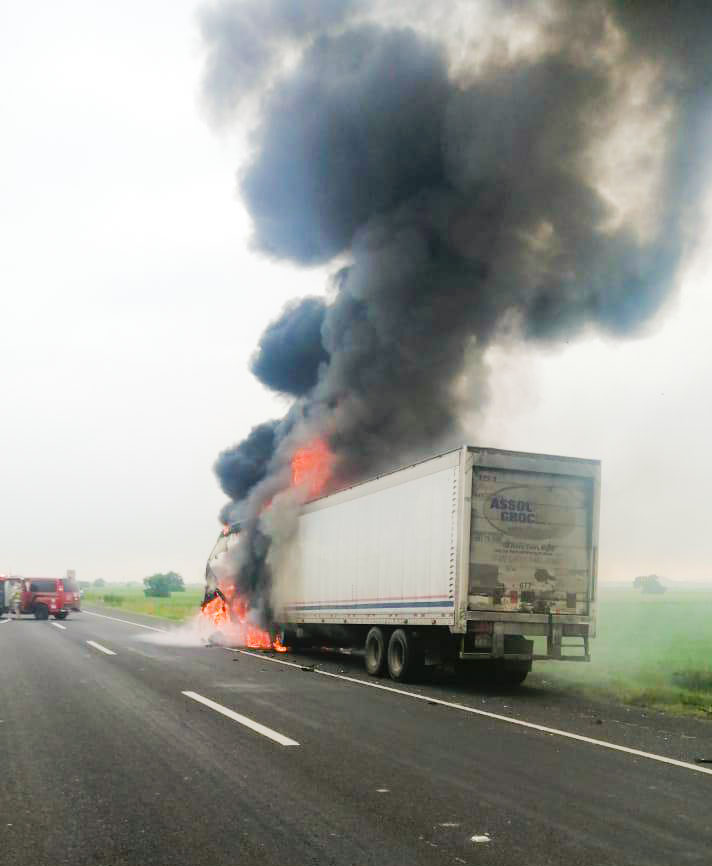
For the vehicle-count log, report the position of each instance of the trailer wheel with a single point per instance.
(512, 674)
(375, 647)
(41, 611)
(405, 657)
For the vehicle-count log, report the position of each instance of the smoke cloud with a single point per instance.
(462, 203)
(246, 39)
(291, 351)
(356, 128)
(243, 466)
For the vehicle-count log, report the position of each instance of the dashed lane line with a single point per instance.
(604, 744)
(101, 648)
(243, 720)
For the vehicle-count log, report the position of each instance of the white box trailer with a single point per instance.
(466, 556)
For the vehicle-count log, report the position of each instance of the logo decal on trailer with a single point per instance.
(531, 511)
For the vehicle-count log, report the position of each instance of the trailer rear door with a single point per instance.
(531, 541)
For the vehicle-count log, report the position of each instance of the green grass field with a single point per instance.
(651, 650)
(178, 606)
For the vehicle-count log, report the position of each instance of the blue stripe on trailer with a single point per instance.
(389, 604)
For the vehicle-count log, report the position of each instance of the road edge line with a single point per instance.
(126, 621)
(605, 744)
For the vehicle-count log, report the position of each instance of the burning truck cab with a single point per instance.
(219, 589)
(223, 606)
(477, 556)
(214, 569)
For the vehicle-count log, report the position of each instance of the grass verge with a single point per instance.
(178, 606)
(651, 651)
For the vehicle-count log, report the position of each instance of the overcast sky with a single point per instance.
(130, 303)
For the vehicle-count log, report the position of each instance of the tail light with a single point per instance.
(483, 635)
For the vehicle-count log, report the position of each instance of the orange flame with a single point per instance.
(216, 611)
(278, 646)
(233, 619)
(311, 467)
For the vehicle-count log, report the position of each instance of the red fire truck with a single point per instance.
(41, 596)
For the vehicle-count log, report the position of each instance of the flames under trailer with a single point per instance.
(465, 558)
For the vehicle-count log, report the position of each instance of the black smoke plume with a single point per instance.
(243, 466)
(461, 203)
(243, 39)
(290, 351)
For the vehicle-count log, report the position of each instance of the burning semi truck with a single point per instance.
(465, 558)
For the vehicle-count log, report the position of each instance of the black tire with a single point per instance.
(513, 674)
(295, 644)
(375, 652)
(41, 611)
(405, 657)
(62, 615)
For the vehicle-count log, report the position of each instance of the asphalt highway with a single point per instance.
(116, 750)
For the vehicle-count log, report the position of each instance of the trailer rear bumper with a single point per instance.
(499, 634)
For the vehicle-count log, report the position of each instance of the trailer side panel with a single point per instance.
(382, 552)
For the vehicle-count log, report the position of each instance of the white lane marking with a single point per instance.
(482, 838)
(57, 625)
(604, 744)
(101, 648)
(243, 720)
(266, 658)
(4, 621)
(127, 621)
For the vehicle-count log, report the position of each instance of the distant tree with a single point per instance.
(649, 584)
(84, 584)
(156, 586)
(175, 581)
(99, 582)
(162, 585)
